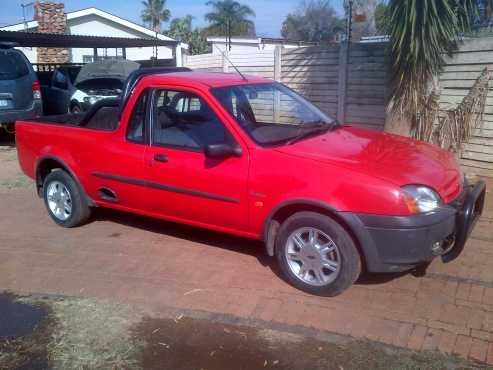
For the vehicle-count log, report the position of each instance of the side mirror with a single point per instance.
(222, 151)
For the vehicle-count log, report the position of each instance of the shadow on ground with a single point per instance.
(224, 241)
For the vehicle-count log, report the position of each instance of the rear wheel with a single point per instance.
(316, 254)
(64, 200)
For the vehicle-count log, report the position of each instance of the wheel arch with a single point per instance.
(73, 103)
(47, 164)
(286, 209)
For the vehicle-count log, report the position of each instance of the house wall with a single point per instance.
(93, 25)
(30, 53)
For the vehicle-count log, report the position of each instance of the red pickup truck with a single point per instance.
(250, 157)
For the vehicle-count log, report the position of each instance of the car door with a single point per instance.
(115, 160)
(184, 183)
(60, 91)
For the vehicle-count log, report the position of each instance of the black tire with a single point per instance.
(350, 267)
(80, 212)
(75, 108)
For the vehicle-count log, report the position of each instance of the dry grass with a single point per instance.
(92, 334)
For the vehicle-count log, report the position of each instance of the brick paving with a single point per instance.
(149, 262)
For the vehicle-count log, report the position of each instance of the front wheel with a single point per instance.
(75, 109)
(317, 255)
(64, 200)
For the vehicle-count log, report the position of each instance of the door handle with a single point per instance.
(161, 158)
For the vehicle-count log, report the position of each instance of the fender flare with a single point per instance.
(348, 220)
(66, 167)
(270, 228)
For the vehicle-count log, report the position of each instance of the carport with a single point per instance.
(51, 40)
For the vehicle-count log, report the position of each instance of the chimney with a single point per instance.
(51, 19)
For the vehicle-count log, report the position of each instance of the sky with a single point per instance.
(270, 13)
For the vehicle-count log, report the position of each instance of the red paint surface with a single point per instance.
(349, 169)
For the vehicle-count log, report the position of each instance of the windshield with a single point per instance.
(271, 113)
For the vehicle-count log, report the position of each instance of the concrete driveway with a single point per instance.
(139, 260)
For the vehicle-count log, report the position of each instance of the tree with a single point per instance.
(181, 29)
(155, 12)
(314, 21)
(229, 17)
(363, 18)
(422, 33)
(382, 18)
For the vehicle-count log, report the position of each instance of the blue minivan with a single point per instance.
(20, 91)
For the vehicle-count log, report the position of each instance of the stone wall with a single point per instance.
(51, 19)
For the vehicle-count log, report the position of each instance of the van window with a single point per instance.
(12, 65)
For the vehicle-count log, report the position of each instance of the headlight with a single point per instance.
(420, 199)
(91, 99)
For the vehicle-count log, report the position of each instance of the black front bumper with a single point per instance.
(399, 243)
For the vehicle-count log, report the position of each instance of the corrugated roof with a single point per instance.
(35, 39)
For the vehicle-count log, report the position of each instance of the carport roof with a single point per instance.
(51, 40)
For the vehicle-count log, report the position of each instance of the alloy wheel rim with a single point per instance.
(59, 200)
(312, 256)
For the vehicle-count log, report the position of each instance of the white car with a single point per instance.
(100, 80)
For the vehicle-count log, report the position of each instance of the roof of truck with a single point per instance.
(210, 79)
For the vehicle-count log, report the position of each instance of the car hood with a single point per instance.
(395, 159)
(106, 69)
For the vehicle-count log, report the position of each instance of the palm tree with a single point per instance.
(422, 33)
(230, 17)
(155, 12)
(181, 29)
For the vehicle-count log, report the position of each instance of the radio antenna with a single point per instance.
(230, 62)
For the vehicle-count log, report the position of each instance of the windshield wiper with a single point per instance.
(313, 129)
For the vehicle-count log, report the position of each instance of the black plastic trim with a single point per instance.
(467, 216)
(159, 186)
(65, 167)
(298, 201)
(408, 222)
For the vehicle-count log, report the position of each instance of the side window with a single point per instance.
(60, 80)
(136, 125)
(184, 120)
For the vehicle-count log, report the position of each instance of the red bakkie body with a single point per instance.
(353, 174)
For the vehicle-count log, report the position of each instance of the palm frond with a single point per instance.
(423, 33)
